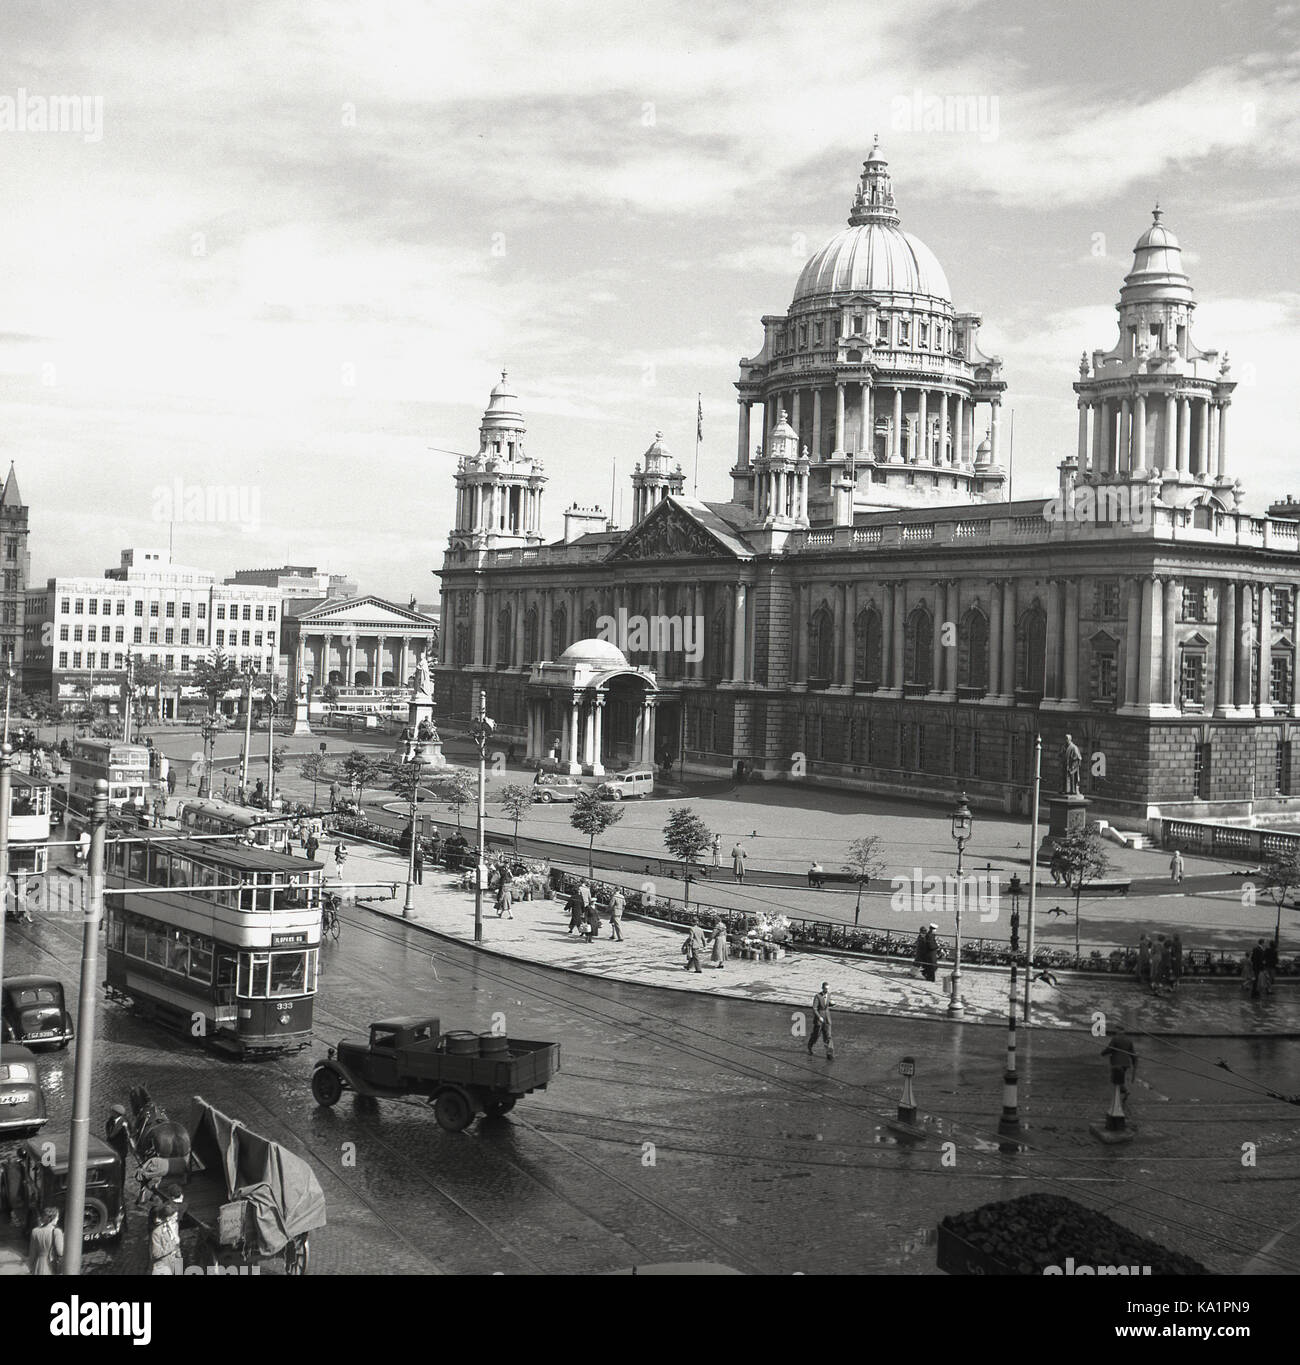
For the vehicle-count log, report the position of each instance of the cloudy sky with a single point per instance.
(305, 237)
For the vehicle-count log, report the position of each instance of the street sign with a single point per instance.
(907, 1067)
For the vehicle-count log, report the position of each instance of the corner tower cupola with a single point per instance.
(499, 490)
(1154, 408)
(781, 478)
(651, 485)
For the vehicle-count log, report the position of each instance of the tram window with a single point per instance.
(137, 861)
(311, 971)
(288, 973)
(117, 793)
(225, 970)
(158, 860)
(201, 960)
(155, 949)
(178, 955)
(180, 875)
(116, 933)
(135, 937)
(261, 971)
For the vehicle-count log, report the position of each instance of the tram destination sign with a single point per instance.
(287, 940)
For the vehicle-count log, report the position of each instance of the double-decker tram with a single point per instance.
(125, 767)
(220, 940)
(211, 815)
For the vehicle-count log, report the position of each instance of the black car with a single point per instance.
(35, 1181)
(22, 1102)
(34, 1013)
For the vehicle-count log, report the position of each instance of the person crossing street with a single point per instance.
(822, 1022)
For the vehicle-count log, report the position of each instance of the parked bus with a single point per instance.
(211, 815)
(125, 767)
(232, 941)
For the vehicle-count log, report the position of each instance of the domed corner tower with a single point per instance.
(499, 490)
(1154, 408)
(879, 374)
(657, 481)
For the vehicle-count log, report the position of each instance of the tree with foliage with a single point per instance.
(1080, 858)
(361, 771)
(279, 756)
(866, 860)
(460, 786)
(312, 767)
(516, 800)
(686, 836)
(406, 783)
(214, 676)
(1281, 875)
(591, 815)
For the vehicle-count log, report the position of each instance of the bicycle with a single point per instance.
(331, 925)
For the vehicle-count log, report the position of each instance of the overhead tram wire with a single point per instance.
(989, 1136)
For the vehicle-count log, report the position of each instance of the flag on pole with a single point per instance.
(699, 418)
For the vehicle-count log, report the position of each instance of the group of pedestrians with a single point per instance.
(695, 944)
(1258, 968)
(1160, 963)
(584, 913)
(927, 951)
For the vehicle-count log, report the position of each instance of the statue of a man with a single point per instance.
(423, 678)
(1072, 761)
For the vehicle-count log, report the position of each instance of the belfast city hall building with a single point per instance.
(868, 609)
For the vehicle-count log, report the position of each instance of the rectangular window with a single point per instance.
(118, 661)
(270, 613)
(185, 663)
(1280, 680)
(1191, 685)
(258, 614)
(63, 658)
(139, 608)
(80, 606)
(202, 610)
(220, 638)
(904, 331)
(1193, 601)
(65, 604)
(91, 634)
(121, 606)
(247, 612)
(1107, 605)
(221, 611)
(153, 637)
(171, 661)
(63, 632)
(171, 608)
(153, 608)
(1105, 677)
(169, 636)
(185, 636)
(199, 635)
(93, 607)
(103, 660)
(257, 638)
(119, 635)
(137, 635)
(243, 638)
(76, 658)
(1281, 608)
(1201, 772)
(1282, 768)
(77, 632)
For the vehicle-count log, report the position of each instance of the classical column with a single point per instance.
(1123, 453)
(545, 625)
(837, 635)
(1225, 665)
(923, 427)
(1132, 645)
(1052, 680)
(1099, 439)
(1009, 638)
(352, 660)
(817, 424)
(1203, 437)
(1150, 642)
(952, 613)
(1170, 460)
(896, 432)
(968, 435)
(598, 739)
(1070, 690)
(936, 634)
(886, 636)
(695, 667)
(574, 716)
(658, 655)
(867, 445)
(742, 436)
(1140, 433)
(1185, 436)
(480, 626)
(325, 669)
(900, 627)
(738, 634)
(1169, 640)
(1083, 435)
(1264, 702)
(954, 428)
(839, 417)
(796, 404)
(1245, 646)
(995, 640)
(1223, 440)
(995, 440)
(589, 735)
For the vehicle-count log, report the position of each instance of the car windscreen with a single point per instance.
(35, 995)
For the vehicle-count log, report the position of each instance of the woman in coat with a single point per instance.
(927, 952)
(719, 945)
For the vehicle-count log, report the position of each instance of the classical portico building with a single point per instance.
(868, 610)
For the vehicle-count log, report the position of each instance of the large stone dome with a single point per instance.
(873, 258)
(594, 654)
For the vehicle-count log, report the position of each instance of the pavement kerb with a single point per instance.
(984, 1019)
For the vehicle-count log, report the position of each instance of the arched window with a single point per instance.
(530, 637)
(715, 650)
(589, 619)
(821, 646)
(559, 631)
(918, 661)
(1031, 649)
(973, 651)
(867, 648)
(505, 636)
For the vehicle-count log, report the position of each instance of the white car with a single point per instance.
(638, 782)
(558, 787)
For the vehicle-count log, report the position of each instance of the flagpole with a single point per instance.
(699, 426)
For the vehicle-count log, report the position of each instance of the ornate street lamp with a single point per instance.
(1009, 1123)
(208, 733)
(961, 828)
(480, 729)
(413, 763)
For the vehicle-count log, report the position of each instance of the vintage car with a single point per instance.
(34, 1013)
(36, 1180)
(22, 1102)
(558, 787)
(618, 786)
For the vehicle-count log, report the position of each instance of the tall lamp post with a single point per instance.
(1009, 1123)
(248, 733)
(9, 682)
(413, 762)
(208, 732)
(480, 730)
(961, 827)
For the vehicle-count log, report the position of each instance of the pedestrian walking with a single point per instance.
(718, 946)
(504, 899)
(417, 863)
(313, 843)
(45, 1250)
(165, 1232)
(1123, 1059)
(816, 876)
(1270, 965)
(717, 850)
(1144, 961)
(593, 921)
(927, 951)
(340, 858)
(435, 848)
(1176, 867)
(576, 911)
(334, 794)
(1257, 968)
(738, 862)
(822, 1022)
(1248, 974)
(616, 906)
(171, 781)
(693, 947)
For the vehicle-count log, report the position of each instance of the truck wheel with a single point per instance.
(495, 1108)
(326, 1088)
(96, 1218)
(452, 1110)
(297, 1255)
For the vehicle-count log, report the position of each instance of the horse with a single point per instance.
(153, 1134)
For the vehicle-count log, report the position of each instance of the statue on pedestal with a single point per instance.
(423, 679)
(1071, 762)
